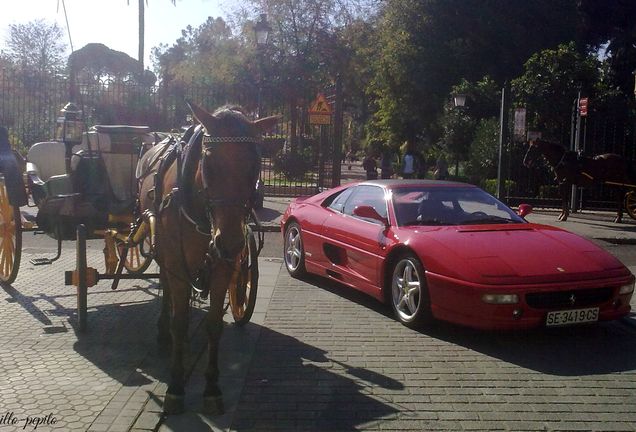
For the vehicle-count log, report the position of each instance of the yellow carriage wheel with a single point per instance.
(10, 237)
(630, 204)
(242, 294)
(138, 258)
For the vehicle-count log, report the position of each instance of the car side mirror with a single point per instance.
(524, 210)
(369, 212)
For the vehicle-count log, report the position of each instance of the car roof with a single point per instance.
(396, 183)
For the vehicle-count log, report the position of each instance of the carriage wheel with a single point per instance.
(10, 237)
(630, 204)
(138, 258)
(243, 294)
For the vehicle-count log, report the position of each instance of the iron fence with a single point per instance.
(30, 105)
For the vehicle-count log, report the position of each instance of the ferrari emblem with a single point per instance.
(572, 299)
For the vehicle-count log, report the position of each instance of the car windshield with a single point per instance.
(438, 205)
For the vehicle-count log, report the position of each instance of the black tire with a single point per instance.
(242, 297)
(293, 250)
(408, 293)
(10, 237)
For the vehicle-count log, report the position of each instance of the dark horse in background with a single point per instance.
(572, 169)
(201, 200)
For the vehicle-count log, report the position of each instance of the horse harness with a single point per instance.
(191, 154)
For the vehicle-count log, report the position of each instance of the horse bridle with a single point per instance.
(208, 146)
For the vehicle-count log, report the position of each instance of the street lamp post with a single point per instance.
(503, 133)
(261, 31)
(459, 100)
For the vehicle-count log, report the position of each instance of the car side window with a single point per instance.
(337, 203)
(366, 196)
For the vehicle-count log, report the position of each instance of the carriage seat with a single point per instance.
(46, 170)
(119, 147)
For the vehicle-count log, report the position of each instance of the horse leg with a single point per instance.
(163, 325)
(180, 302)
(565, 205)
(212, 396)
(619, 205)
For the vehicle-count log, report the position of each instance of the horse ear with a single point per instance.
(202, 115)
(267, 123)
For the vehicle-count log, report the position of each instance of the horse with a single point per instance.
(571, 169)
(201, 200)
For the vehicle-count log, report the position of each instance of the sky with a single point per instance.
(114, 23)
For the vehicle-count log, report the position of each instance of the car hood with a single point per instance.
(504, 254)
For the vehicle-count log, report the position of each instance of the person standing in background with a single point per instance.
(409, 162)
(370, 167)
(386, 164)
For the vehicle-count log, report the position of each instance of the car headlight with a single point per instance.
(500, 298)
(626, 289)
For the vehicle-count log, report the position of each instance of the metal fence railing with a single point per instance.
(31, 103)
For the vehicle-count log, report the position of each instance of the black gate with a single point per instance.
(298, 158)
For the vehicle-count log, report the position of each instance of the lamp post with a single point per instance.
(459, 100)
(261, 31)
(503, 133)
(70, 128)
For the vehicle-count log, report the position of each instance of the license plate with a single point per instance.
(573, 316)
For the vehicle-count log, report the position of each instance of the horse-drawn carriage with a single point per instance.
(571, 169)
(85, 185)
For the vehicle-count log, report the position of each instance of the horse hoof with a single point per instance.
(173, 404)
(213, 405)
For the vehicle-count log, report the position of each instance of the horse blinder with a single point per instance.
(208, 147)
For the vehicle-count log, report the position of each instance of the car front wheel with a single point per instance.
(409, 294)
(294, 251)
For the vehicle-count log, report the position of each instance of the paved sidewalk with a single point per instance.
(316, 356)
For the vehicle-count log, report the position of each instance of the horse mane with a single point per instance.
(231, 111)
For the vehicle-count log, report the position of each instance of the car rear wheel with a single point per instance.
(294, 251)
(409, 294)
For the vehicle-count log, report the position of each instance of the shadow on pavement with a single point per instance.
(597, 349)
(121, 340)
(296, 386)
(601, 348)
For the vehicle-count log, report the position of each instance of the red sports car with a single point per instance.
(450, 251)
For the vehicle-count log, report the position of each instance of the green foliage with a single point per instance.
(293, 165)
(484, 150)
(551, 82)
(490, 186)
(427, 46)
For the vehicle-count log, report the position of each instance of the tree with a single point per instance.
(550, 84)
(36, 46)
(142, 29)
(609, 26)
(429, 45)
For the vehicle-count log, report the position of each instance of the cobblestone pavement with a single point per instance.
(315, 357)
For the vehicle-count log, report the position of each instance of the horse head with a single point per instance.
(228, 171)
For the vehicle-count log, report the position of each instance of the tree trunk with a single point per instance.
(141, 34)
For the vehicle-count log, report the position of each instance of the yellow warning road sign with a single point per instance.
(320, 111)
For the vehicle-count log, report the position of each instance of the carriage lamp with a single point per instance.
(262, 29)
(69, 130)
(459, 100)
(69, 125)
